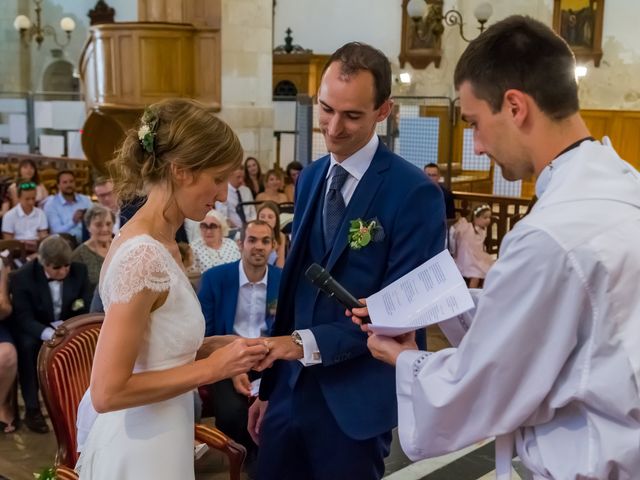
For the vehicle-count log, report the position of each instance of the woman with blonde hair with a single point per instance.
(213, 248)
(136, 421)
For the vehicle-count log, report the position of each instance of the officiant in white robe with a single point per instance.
(552, 356)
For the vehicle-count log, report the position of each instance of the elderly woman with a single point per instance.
(99, 222)
(213, 248)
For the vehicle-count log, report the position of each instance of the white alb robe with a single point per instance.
(553, 353)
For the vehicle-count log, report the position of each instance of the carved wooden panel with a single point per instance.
(200, 13)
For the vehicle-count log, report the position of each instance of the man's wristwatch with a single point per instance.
(296, 338)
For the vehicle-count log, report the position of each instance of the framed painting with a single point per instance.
(579, 22)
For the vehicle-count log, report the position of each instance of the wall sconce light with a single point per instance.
(581, 71)
(429, 20)
(37, 31)
(404, 78)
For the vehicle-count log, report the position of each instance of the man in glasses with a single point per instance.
(239, 298)
(45, 292)
(103, 188)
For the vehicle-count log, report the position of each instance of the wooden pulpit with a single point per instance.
(125, 67)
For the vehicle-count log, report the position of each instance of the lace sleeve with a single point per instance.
(142, 266)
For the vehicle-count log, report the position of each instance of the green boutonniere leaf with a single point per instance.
(360, 233)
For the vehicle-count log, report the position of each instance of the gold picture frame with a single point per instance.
(579, 22)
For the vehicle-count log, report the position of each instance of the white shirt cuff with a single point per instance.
(310, 350)
(47, 334)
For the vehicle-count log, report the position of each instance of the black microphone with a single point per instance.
(325, 282)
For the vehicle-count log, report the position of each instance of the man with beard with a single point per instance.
(65, 209)
(239, 298)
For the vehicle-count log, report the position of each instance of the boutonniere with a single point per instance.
(77, 305)
(272, 306)
(361, 233)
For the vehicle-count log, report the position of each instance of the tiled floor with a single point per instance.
(23, 453)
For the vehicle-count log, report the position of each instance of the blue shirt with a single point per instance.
(60, 214)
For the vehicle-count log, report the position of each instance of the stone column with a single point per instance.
(246, 75)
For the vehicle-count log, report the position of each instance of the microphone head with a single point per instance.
(317, 275)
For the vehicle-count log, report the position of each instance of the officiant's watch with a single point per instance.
(297, 339)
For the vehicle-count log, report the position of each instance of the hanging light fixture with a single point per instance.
(30, 31)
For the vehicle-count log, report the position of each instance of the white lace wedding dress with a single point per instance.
(155, 441)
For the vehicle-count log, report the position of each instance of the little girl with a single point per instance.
(470, 255)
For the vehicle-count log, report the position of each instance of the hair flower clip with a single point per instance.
(147, 130)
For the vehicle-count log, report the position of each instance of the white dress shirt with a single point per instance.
(251, 309)
(553, 353)
(229, 208)
(55, 287)
(24, 226)
(356, 165)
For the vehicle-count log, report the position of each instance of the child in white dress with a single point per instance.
(470, 252)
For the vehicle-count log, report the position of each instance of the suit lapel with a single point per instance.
(230, 298)
(308, 215)
(360, 201)
(272, 296)
(43, 288)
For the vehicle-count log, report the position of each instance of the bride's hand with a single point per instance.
(237, 357)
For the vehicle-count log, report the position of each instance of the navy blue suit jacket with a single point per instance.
(218, 296)
(359, 390)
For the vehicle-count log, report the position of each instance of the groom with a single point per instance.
(327, 407)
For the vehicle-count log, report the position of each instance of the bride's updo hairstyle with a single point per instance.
(178, 131)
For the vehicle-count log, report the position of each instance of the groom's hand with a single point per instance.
(280, 348)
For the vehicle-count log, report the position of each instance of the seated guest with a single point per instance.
(270, 213)
(432, 171)
(272, 188)
(237, 193)
(45, 292)
(66, 208)
(99, 222)
(27, 172)
(103, 188)
(214, 248)
(239, 299)
(25, 221)
(253, 178)
(8, 358)
(293, 172)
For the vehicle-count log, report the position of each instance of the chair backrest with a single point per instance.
(16, 251)
(64, 371)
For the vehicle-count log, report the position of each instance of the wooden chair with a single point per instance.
(64, 370)
(17, 251)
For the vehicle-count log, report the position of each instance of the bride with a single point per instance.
(145, 367)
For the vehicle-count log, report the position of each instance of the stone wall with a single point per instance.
(614, 85)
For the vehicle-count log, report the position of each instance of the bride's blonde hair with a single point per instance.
(174, 131)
